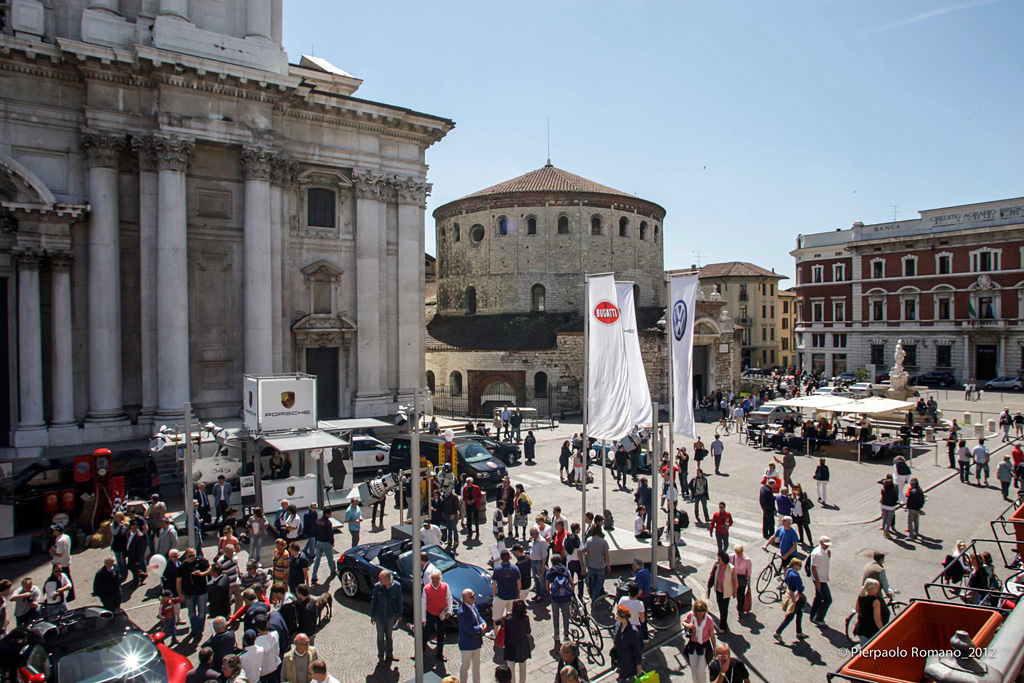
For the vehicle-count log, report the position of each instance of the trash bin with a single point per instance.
(929, 434)
(979, 430)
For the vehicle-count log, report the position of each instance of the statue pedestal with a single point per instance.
(898, 384)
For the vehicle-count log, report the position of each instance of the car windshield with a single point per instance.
(474, 452)
(127, 658)
(441, 560)
(487, 443)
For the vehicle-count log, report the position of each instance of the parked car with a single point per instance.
(1006, 383)
(369, 452)
(508, 453)
(860, 389)
(845, 377)
(752, 372)
(832, 391)
(30, 486)
(770, 413)
(89, 644)
(486, 470)
(936, 378)
(360, 567)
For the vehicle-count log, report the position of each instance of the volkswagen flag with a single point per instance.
(608, 384)
(682, 291)
(639, 391)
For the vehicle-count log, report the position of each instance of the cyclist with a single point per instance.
(875, 569)
(787, 537)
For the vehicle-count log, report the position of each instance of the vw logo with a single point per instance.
(679, 319)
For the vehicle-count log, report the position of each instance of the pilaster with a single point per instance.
(62, 375)
(30, 350)
(257, 163)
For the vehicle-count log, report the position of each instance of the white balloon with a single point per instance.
(157, 565)
(329, 457)
(449, 434)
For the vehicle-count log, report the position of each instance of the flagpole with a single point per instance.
(671, 419)
(586, 390)
(604, 479)
(655, 462)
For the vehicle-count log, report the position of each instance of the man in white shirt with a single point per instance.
(557, 516)
(270, 642)
(980, 462)
(252, 656)
(539, 562)
(430, 534)
(820, 558)
(426, 566)
(60, 554)
(318, 672)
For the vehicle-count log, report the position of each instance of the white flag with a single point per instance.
(608, 414)
(682, 297)
(639, 391)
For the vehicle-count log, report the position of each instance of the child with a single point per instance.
(168, 622)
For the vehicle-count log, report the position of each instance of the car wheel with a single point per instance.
(349, 583)
(1017, 387)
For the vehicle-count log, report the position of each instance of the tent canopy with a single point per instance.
(871, 405)
(353, 424)
(304, 441)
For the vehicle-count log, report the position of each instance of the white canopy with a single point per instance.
(353, 424)
(303, 441)
(871, 405)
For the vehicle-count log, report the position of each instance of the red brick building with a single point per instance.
(949, 283)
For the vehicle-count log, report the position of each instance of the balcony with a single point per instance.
(746, 322)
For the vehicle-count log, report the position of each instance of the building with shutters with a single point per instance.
(181, 203)
(950, 283)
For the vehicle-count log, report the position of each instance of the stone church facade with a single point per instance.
(507, 322)
(180, 205)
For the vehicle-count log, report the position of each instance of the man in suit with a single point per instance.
(204, 672)
(204, 503)
(221, 496)
(166, 538)
(135, 553)
(298, 659)
(222, 642)
(107, 585)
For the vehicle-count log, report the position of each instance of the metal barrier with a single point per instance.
(961, 590)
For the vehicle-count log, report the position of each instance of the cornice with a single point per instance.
(539, 201)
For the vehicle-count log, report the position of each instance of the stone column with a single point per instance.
(62, 374)
(259, 340)
(103, 152)
(173, 155)
(258, 19)
(281, 177)
(30, 342)
(369, 399)
(148, 183)
(412, 197)
(174, 8)
(112, 6)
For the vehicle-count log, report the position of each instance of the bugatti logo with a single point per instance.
(291, 490)
(287, 398)
(250, 399)
(606, 312)
(679, 319)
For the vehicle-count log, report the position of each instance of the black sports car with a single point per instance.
(504, 451)
(360, 568)
(88, 645)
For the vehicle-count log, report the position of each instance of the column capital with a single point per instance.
(60, 260)
(145, 149)
(283, 171)
(173, 152)
(102, 148)
(28, 259)
(412, 191)
(257, 162)
(369, 184)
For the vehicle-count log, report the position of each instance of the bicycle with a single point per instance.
(772, 571)
(726, 425)
(895, 607)
(661, 611)
(582, 626)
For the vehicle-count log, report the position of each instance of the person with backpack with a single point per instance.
(560, 586)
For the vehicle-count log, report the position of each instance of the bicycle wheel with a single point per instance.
(764, 579)
(602, 611)
(594, 631)
(851, 624)
(576, 611)
(593, 654)
(576, 633)
(664, 615)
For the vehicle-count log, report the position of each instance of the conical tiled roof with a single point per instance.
(549, 179)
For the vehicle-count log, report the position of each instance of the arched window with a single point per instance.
(456, 233)
(476, 233)
(623, 227)
(538, 294)
(531, 226)
(563, 225)
(470, 300)
(595, 225)
(455, 384)
(655, 232)
(444, 234)
(540, 385)
(430, 380)
(502, 226)
(643, 230)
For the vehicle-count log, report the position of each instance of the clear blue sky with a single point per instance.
(750, 122)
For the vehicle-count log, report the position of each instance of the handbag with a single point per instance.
(649, 677)
(788, 603)
(748, 600)
(499, 635)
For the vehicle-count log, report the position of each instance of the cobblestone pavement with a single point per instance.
(953, 511)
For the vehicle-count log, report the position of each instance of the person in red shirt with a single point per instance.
(1018, 458)
(558, 538)
(472, 496)
(719, 528)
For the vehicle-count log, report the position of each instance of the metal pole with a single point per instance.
(671, 423)
(190, 515)
(586, 382)
(655, 466)
(604, 479)
(417, 580)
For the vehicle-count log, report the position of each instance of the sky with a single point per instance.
(750, 122)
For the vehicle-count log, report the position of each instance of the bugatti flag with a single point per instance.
(682, 292)
(639, 391)
(608, 380)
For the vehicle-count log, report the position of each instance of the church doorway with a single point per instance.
(700, 370)
(322, 361)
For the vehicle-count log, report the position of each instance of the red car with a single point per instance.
(88, 645)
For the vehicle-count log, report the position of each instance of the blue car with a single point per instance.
(360, 568)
